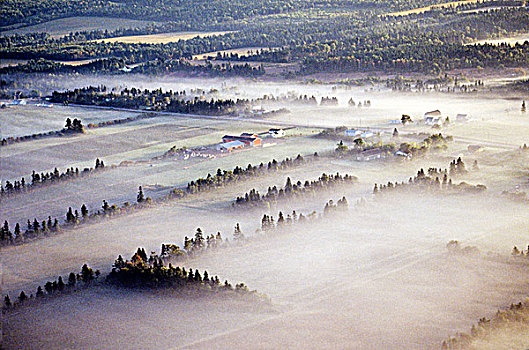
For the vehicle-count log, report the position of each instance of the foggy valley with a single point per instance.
(279, 175)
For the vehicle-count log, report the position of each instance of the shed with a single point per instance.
(230, 146)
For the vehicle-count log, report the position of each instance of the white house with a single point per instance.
(276, 133)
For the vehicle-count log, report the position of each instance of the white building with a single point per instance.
(276, 133)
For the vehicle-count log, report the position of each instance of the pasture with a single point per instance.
(162, 38)
(64, 26)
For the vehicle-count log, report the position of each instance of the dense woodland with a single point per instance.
(159, 100)
(186, 14)
(330, 36)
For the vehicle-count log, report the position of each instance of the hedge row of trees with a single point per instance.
(71, 127)
(75, 217)
(152, 273)
(44, 179)
(224, 177)
(325, 182)
(55, 288)
(436, 180)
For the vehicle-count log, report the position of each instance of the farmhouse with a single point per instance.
(432, 121)
(230, 146)
(250, 139)
(276, 133)
(372, 154)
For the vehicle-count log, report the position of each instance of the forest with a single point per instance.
(357, 38)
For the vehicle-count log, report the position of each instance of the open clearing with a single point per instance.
(511, 40)
(65, 26)
(428, 8)
(162, 38)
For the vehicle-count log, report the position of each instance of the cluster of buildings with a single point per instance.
(246, 139)
(434, 118)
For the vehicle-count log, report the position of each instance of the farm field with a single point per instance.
(511, 40)
(64, 26)
(347, 174)
(9, 62)
(429, 8)
(380, 258)
(162, 38)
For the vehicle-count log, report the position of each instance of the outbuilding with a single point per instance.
(276, 133)
(230, 146)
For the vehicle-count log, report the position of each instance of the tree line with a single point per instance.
(435, 180)
(42, 179)
(71, 127)
(155, 100)
(54, 288)
(73, 217)
(293, 190)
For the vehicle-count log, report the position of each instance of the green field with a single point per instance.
(64, 26)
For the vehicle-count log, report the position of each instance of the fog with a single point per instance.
(376, 276)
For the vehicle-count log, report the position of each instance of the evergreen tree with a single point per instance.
(237, 233)
(71, 279)
(7, 302)
(60, 284)
(199, 239)
(140, 198)
(280, 219)
(105, 206)
(17, 232)
(87, 274)
(84, 211)
(22, 297)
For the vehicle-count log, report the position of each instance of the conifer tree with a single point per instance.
(7, 302)
(237, 233)
(140, 197)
